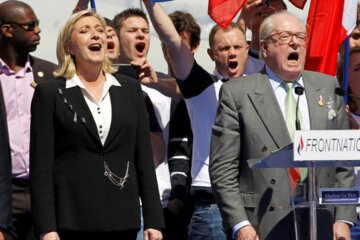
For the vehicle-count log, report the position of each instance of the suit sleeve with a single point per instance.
(149, 193)
(225, 160)
(5, 176)
(41, 161)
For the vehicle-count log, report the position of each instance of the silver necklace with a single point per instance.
(116, 180)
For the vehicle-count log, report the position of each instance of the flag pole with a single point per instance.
(93, 6)
(345, 84)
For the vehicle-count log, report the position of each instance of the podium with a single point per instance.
(313, 149)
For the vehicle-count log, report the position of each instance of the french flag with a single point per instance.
(224, 11)
(328, 25)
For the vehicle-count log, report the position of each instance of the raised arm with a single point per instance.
(181, 57)
(81, 5)
(249, 12)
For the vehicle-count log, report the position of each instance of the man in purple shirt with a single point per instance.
(19, 73)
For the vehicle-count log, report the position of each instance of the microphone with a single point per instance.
(341, 92)
(299, 91)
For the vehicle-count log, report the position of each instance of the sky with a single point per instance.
(54, 13)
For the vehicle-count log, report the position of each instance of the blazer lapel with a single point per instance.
(266, 106)
(118, 99)
(315, 96)
(75, 101)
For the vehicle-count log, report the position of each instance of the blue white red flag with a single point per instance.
(328, 25)
(298, 3)
(224, 11)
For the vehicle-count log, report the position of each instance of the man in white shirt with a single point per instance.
(228, 50)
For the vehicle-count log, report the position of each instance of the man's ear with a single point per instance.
(5, 30)
(210, 53)
(263, 49)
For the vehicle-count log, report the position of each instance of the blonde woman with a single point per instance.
(90, 150)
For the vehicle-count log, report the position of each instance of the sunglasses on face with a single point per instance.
(28, 26)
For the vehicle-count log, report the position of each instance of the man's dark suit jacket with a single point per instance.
(42, 70)
(69, 188)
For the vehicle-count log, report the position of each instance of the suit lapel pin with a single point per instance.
(320, 102)
(40, 74)
(331, 110)
(33, 84)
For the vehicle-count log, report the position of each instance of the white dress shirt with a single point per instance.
(101, 111)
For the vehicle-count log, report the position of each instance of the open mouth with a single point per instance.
(233, 65)
(140, 47)
(294, 56)
(95, 47)
(110, 45)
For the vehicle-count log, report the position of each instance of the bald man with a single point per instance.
(19, 74)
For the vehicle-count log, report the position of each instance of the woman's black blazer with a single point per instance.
(69, 188)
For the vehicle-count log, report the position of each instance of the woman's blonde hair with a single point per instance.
(67, 65)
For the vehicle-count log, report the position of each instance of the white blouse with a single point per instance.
(101, 111)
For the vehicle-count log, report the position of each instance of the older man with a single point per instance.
(252, 121)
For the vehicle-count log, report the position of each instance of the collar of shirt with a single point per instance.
(5, 69)
(276, 81)
(280, 94)
(110, 80)
(218, 75)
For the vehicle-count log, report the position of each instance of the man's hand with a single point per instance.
(246, 233)
(248, 12)
(147, 74)
(50, 236)
(152, 234)
(81, 5)
(341, 231)
(175, 205)
(2, 234)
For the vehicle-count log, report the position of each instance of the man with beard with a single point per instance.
(228, 49)
(19, 73)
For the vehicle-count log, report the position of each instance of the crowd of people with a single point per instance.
(102, 146)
